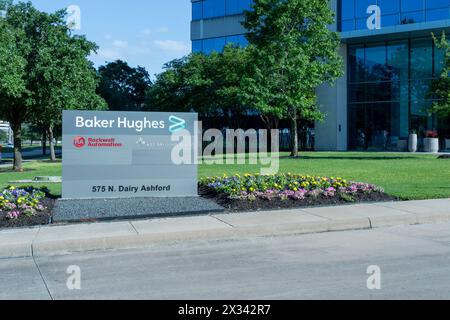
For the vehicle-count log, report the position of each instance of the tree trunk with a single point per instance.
(17, 136)
(51, 143)
(44, 142)
(294, 135)
(271, 122)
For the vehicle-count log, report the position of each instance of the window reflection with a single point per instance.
(353, 13)
(207, 9)
(389, 92)
(217, 44)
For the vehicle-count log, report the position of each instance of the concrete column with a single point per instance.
(331, 134)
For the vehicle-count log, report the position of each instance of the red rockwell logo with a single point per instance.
(79, 142)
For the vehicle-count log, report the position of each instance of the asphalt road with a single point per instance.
(414, 263)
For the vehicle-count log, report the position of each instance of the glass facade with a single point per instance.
(353, 14)
(389, 92)
(216, 44)
(388, 81)
(207, 9)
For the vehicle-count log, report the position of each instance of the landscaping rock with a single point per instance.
(130, 208)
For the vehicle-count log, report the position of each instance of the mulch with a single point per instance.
(234, 205)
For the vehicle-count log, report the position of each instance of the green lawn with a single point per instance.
(409, 176)
(33, 169)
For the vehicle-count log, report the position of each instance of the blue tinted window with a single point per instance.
(421, 58)
(412, 17)
(412, 5)
(240, 40)
(438, 14)
(389, 6)
(213, 8)
(232, 6)
(348, 25)
(435, 4)
(197, 46)
(197, 10)
(375, 62)
(361, 7)
(348, 9)
(390, 95)
(237, 6)
(390, 20)
(361, 24)
(216, 44)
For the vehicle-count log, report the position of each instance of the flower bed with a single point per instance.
(24, 206)
(253, 192)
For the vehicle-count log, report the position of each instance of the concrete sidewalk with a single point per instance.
(65, 239)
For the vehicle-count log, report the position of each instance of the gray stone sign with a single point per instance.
(127, 154)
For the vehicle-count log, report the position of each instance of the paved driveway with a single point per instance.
(414, 263)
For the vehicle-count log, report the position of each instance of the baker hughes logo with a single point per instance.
(80, 142)
(177, 124)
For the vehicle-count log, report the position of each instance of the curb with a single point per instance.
(126, 235)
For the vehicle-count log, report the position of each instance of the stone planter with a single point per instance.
(431, 145)
(412, 143)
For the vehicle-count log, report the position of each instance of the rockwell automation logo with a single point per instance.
(80, 142)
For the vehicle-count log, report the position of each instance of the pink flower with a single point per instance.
(13, 214)
(330, 192)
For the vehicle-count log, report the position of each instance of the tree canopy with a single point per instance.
(123, 87)
(43, 70)
(209, 84)
(293, 52)
(440, 88)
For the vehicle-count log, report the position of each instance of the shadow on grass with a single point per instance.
(302, 157)
(10, 170)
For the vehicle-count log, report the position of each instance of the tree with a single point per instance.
(47, 68)
(67, 79)
(31, 133)
(226, 70)
(293, 52)
(14, 95)
(209, 84)
(440, 88)
(123, 87)
(167, 92)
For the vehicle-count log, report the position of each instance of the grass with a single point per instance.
(408, 176)
(33, 169)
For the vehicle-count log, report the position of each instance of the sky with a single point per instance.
(147, 33)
